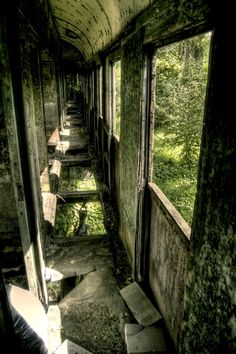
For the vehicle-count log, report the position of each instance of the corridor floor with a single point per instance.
(86, 267)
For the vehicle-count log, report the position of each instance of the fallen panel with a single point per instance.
(99, 287)
(69, 347)
(45, 180)
(54, 138)
(92, 313)
(69, 263)
(67, 272)
(141, 307)
(144, 340)
(81, 256)
(29, 319)
(54, 328)
(49, 207)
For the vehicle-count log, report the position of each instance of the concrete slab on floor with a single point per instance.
(139, 304)
(144, 340)
(93, 313)
(68, 347)
(98, 287)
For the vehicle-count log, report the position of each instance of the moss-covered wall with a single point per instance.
(39, 109)
(41, 27)
(10, 244)
(210, 311)
(5, 169)
(50, 94)
(168, 257)
(22, 118)
(131, 94)
(161, 23)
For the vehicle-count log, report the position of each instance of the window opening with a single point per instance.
(181, 79)
(117, 67)
(82, 218)
(101, 91)
(69, 223)
(114, 96)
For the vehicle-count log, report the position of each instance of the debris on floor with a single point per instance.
(68, 347)
(93, 313)
(139, 304)
(86, 270)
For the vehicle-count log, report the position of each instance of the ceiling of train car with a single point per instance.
(91, 25)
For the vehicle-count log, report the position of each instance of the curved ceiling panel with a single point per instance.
(91, 25)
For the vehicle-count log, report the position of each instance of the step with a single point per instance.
(79, 161)
(87, 255)
(69, 241)
(77, 196)
(64, 147)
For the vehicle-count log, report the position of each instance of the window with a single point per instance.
(100, 91)
(115, 80)
(181, 78)
(117, 97)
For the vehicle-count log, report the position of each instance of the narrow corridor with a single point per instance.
(87, 264)
(117, 162)
(85, 304)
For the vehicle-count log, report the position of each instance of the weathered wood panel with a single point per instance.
(55, 173)
(131, 93)
(168, 260)
(78, 161)
(15, 152)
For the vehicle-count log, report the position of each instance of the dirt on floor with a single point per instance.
(94, 322)
(90, 314)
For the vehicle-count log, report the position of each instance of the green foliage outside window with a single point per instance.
(117, 67)
(181, 81)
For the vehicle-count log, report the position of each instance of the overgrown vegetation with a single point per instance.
(79, 218)
(68, 219)
(77, 185)
(180, 95)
